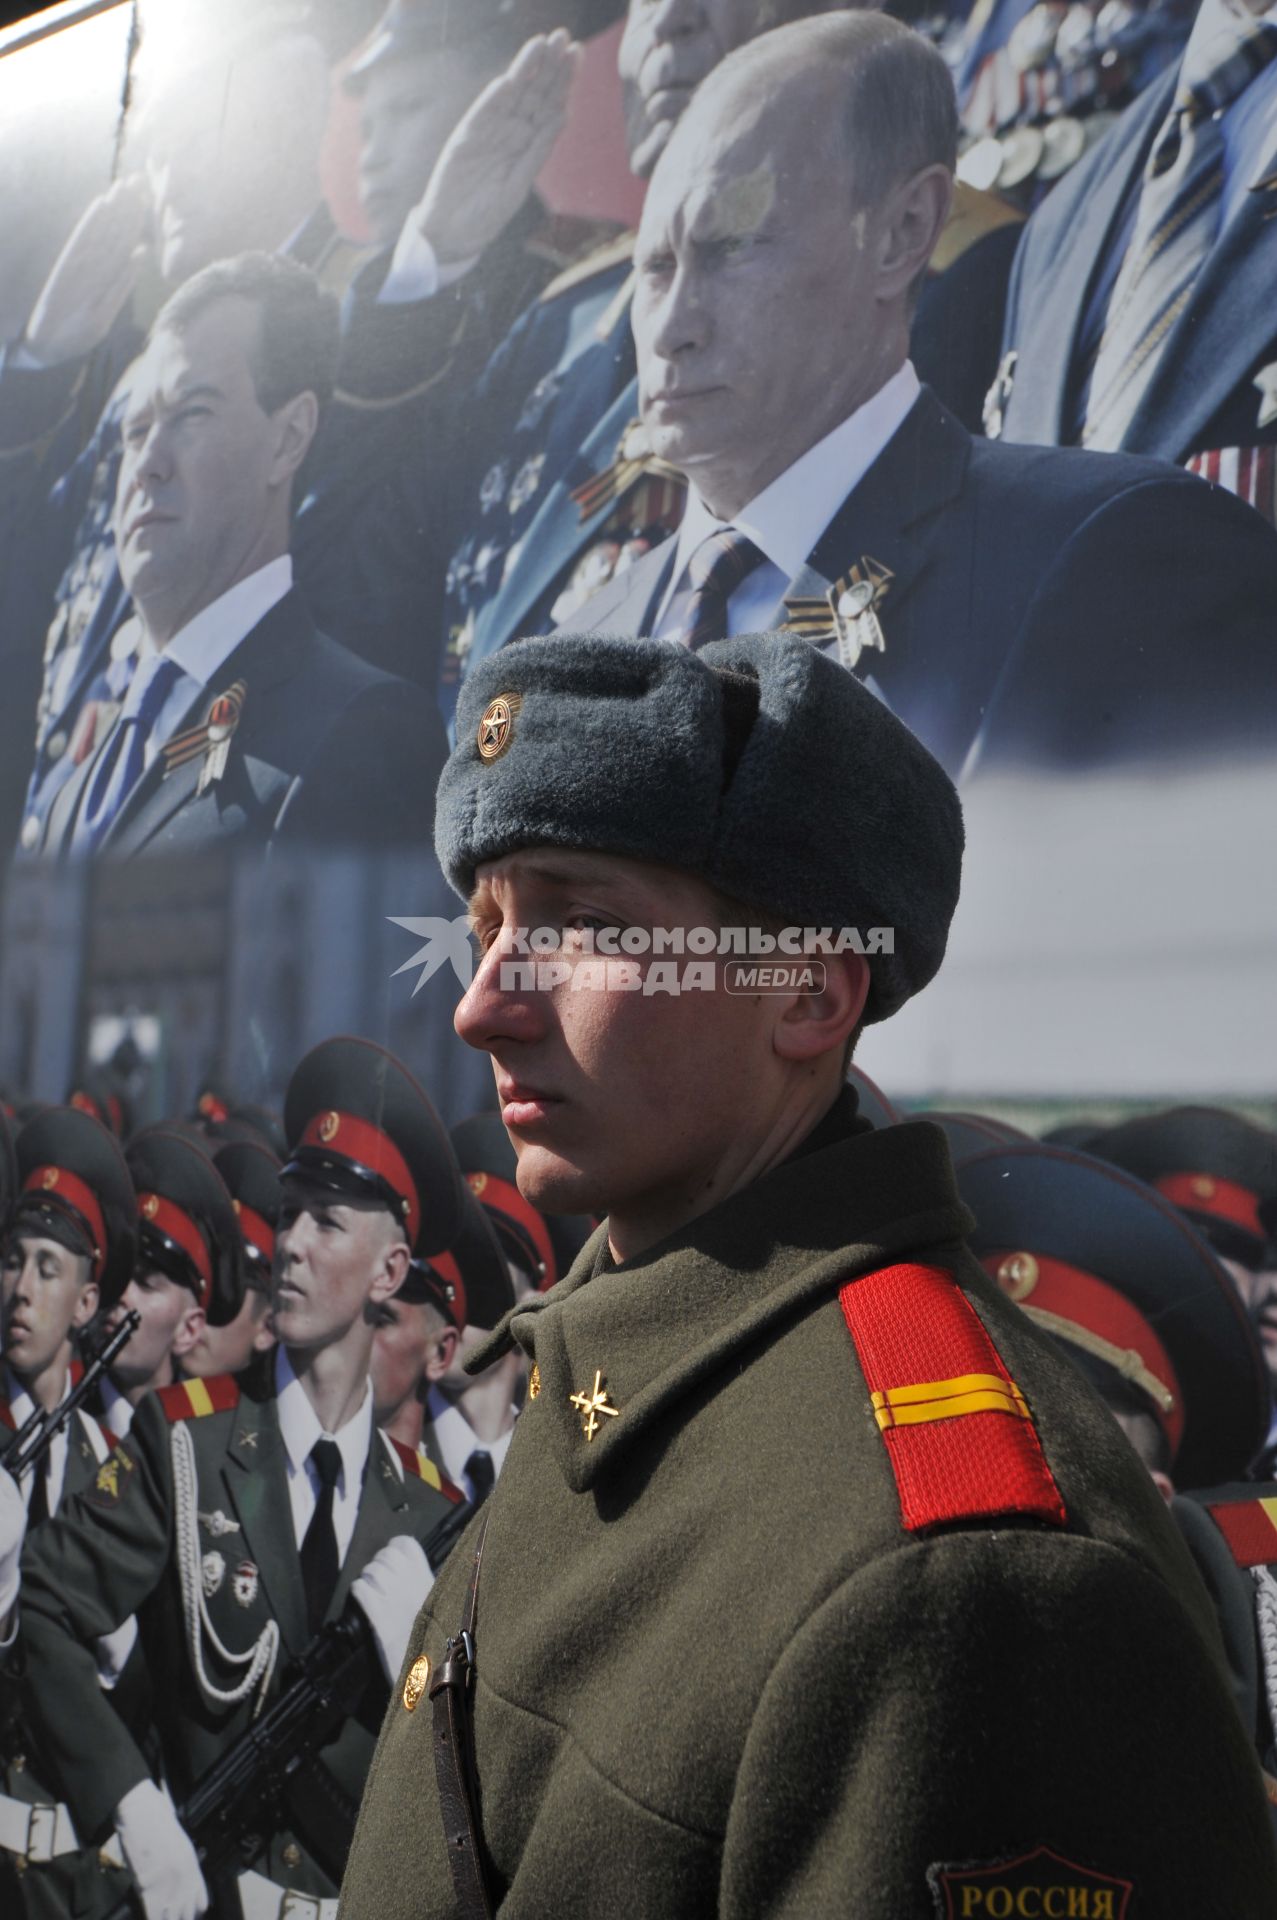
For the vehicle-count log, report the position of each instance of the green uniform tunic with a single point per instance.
(717, 1675)
(113, 1551)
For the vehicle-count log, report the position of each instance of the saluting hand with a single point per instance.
(495, 152)
(93, 275)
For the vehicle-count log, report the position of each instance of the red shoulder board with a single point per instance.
(77, 1372)
(421, 1467)
(958, 1432)
(6, 1418)
(1250, 1528)
(191, 1398)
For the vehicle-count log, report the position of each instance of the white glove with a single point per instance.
(390, 1590)
(158, 1850)
(13, 1526)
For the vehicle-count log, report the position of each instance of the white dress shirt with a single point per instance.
(457, 1440)
(206, 643)
(787, 518)
(299, 1428)
(22, 1406)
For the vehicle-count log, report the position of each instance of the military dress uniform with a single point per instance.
(1209, 401)
(72, 1184)
(973, 1649)
(189, 1524)
(1040, 82)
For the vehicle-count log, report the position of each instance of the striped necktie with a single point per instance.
(698, 612)
(124, 756)
(1176, 223)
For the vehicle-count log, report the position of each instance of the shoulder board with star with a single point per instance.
(1246, 1515)
(960, 1438)
(972, 216)
(192, 1399)
(615, 253)
(420, 1467)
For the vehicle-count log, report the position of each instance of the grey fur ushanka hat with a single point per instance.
(757, 763)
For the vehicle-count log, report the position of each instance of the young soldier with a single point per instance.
(68, 1255)
(242, 1514)
(815, 1583)
(251, 1173)
(189, 1271)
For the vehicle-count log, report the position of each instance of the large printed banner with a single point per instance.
(329, 366)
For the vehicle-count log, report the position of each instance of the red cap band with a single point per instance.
(449, 1272)
(179, 1227)
(1073, 1294)
(1207, 1193)
(366, 1146)
(69, 1194)
(502, 1196)
(256, 1230)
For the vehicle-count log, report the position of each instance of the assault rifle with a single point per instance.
(35, 1436)
(274, 1769)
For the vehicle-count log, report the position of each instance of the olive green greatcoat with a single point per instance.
(715, 1675)
(110, 1552)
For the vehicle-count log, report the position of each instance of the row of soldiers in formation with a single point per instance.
(494, 443)
(286, 1433)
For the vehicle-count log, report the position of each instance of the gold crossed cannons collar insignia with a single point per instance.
(590, 1405)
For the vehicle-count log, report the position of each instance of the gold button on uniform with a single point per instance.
(534, 1381)
(1018, 1275)
(292, 1855)
(417, 1682)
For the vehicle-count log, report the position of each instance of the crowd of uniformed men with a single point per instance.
(299, 1438)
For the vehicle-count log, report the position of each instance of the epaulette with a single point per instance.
(1247, 1518)
(616, 253)
(190, 1399)
(419, 1464)
(972, 215)
(958, 1432)
(6, 1417)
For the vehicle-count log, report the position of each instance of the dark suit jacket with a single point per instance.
(528, 555)
(328, 750)
(1202, 395)
(1046, 606)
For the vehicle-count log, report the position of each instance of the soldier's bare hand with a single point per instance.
(494, 154)
(93, 275)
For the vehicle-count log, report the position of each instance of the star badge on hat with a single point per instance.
(1266, 382)
(497, 725)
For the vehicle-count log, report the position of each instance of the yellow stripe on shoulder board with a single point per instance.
(929, 1400)
(197, 1394)
(1270, 1508)
(429, 1471)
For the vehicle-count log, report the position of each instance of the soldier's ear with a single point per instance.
(442, 1354)
(391, 1272)
(295, 423)
(189, 1328)
(820, 1018)
(87, 1304)
(911, 219)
